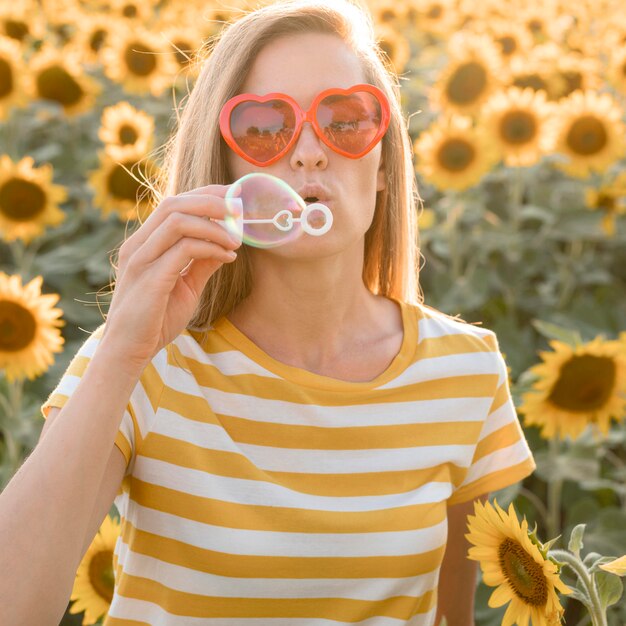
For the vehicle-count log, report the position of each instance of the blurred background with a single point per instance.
(516, 112)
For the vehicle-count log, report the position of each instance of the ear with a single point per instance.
(380, 177)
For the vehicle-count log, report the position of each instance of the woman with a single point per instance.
(303, 437)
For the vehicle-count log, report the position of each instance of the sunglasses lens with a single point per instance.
(262, 129)
(350, 122)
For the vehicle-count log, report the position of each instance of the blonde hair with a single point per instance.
(196, 154)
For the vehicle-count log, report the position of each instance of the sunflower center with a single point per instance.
(435, 11)
(96, 41)
(606, 201)
(6, 78)
(533, 80)
(101, 574)
(127, 134)
(517, 127)
(16, 29)
(180, 50)
(587, 135)
(455, 155)
(139, 59)
(524, 574)
(17, 326)
(387, 48)
(467, 83)
(584, 384)
(55, 83)
(21, 200)
(129, 10)
(121, 184)
(535, 26)
(508, 45)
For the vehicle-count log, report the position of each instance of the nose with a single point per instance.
(309, 150)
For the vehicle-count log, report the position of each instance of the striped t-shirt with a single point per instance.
(262, 494)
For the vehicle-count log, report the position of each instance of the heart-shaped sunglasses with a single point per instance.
(261, 129)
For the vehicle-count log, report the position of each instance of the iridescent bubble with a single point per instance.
(265, 212)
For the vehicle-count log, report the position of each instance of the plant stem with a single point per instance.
(555, 485)
(597, 613)
(454, 214)
(517, 196)
(13, 451)
(538, 504)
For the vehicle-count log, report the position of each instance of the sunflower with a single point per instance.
(610, 199)
(56, 75)
(471, 76)
(22, 21)
(93, 34)
(617, 69)
(390, 12)
(566, 71)
(394, 44)
(514, 121)
(514, 561)
(452, 154)
(12, 71)
(117, 188)
(95, 578)
(184, 42)
(123, 128)
(28, 200)
(143, 11)
(133, 58)
(577, 386)
(540, 20)
(588, 129)
(527, 71)
(29, 328)
(511, 39)
(436, 17)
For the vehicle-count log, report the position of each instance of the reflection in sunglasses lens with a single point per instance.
(263, 129)
(350, 122)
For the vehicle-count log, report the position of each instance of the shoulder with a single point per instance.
(435, 324)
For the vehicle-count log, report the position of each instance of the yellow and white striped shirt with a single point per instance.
(262, 494)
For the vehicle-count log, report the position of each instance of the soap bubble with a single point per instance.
(264, 211)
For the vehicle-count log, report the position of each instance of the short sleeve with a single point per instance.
(502, 456)
(139, 411)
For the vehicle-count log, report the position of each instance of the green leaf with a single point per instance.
(553, 331)
(576, 539)
(609, 587)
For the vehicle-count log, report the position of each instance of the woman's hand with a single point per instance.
(163, 268)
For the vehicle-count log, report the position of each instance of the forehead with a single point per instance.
(302, 65)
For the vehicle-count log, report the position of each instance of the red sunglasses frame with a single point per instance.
(301, 117)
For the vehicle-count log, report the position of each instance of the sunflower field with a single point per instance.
(517, 114)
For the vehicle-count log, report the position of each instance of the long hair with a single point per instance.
(196, 154)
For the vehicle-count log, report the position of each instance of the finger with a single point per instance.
(176, 227)
(207, 206)
(186, 253)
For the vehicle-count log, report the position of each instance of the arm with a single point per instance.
(457, 579)
(46, 508)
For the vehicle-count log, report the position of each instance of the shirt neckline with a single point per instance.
(306, 378)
